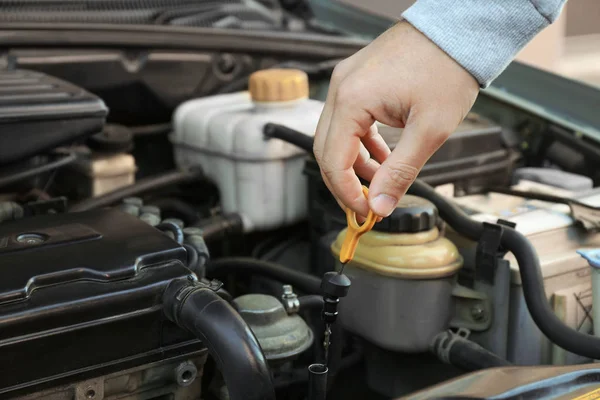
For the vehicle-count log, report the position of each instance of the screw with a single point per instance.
(477, 312)
(287, 290)
(226, 64)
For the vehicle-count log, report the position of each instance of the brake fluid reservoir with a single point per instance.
(402, 274)
(260, 179)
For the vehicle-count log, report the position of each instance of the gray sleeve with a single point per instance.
(482, 35)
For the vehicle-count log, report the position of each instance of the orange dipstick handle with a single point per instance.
(355, 231)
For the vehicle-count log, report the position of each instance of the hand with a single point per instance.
(401, 79)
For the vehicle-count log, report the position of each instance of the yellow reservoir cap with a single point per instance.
(277, 85)
(422, 255)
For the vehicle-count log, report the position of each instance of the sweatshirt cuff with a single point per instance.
(483, 36)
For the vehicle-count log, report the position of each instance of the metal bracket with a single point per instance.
(472, 309)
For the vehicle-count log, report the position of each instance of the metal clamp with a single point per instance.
(443, 342)
(290, 300)
(472, 309)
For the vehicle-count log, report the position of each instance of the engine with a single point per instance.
(219, 276)
(82, 299)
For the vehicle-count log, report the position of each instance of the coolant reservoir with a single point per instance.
(402, 274)
(260, 179)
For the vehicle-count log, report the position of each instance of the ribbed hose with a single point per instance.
(229, 340)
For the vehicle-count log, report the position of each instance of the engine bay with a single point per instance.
(165, 232)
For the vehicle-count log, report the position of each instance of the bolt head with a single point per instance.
(477, 312)
(287, 289)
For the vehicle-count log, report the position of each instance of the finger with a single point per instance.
(375, 144)
(364, 166)
(325, 118)
(360, 219)
(328, 184)
(322, 128)
(419, 140)
(349, 123)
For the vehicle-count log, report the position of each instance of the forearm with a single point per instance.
(482, 35)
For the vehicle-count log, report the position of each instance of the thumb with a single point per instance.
(417, 144)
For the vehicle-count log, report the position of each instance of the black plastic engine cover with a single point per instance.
(80, 295)
(39, 112)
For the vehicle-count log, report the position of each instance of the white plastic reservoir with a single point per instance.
(260, 179)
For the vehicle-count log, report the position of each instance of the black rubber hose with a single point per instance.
(229, 339)
(192, 258)
(173, 228)
(221, 226)
(470, 356)
(179, 207)
(142, 186)
(275, 131)
(531, 275)
(302, 281)
(310, 302)
(28, 173)
(465, 354)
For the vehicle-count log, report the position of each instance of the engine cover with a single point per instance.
(39, 112)
(80, 296)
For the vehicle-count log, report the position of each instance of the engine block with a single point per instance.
(80, 298)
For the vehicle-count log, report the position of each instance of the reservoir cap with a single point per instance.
(274, 85)
(413, 214)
